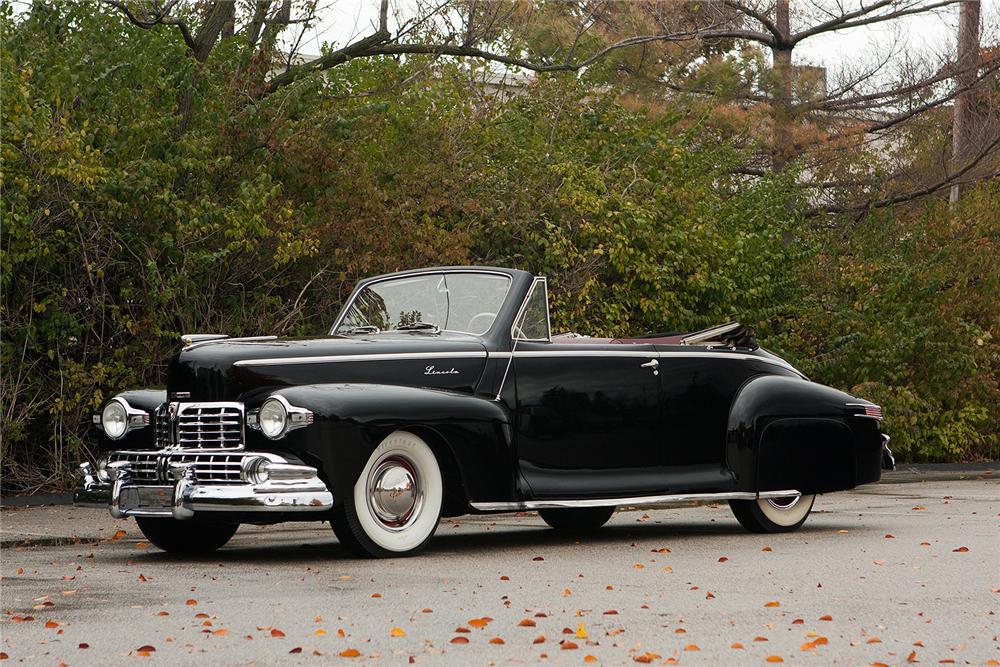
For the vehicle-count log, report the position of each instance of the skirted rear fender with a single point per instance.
(470, 434)
(789, 433)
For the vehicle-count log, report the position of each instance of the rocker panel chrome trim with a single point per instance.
(640, 501)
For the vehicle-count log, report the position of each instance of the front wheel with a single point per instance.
(396, 503)
(186, 537)
(577, 518)
(772, 515)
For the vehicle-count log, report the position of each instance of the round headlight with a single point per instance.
(273, 418)
(114, 420)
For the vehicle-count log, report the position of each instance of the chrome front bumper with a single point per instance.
(291, 488)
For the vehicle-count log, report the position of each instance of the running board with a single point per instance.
(640, 501)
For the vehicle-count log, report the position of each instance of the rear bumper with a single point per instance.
(297, 489)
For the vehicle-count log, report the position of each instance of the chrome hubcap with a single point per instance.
(784, 503)
(394, 492)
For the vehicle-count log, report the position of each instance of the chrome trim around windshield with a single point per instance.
(388, 356)
(640, 501)
(371, 281)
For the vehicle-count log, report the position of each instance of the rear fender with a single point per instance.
(350, 420)
(789, 433)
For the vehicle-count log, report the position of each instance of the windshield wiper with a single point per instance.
(366, 329)
(419, 326)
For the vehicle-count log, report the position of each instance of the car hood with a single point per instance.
(247, 370)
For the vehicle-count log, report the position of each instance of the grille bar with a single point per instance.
(154, 467)
(200, 425)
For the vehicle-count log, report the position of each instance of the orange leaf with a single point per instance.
(647, 657)
(351, 653)
(191, 602)
(319, 632)
(567, 592)
(775, 658)
(478, 622)
(341, 633)
(667, 568)
(376, 595)
(692, 647)
(723, 559)
(807, 646)
(919, 508)
(736, 645)
(960, 550)
(459, 640)
(826, 617)
(145, 650)
(504, 578)
(616, 631)
(540, 639)
(890, 536)
(767, 549)
(567, 645)
(798, 621)
(773, 603)
(275, 632)
(709, 595)
(912, 657)
(497, 640)
(590, 658)
(879, 562)
(119, 534)
(51, 624)
(758, 638)
(879, 664)
(611, 612)
(221, 632)
(397, 632)
(201, 614)
(874, 640)
(527, 623)
(297, 649)
(821, 641)
(462, 628)
(163, 613)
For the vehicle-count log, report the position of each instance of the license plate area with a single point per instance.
(146, 499)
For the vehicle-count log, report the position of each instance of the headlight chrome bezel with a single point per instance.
(134, 418)
(294, 417)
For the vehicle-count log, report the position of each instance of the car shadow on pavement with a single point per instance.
(310, 545)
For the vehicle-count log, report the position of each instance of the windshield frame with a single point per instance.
(410, 274)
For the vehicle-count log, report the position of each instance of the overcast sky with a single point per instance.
(344, 20)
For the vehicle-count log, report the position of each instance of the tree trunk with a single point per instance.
(781, 115)
(964, 125)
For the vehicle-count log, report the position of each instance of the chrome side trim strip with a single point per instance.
(633, 353)
(343, 358)
(639, 501)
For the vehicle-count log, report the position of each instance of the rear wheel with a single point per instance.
(577, 518)
(773, 515)
(396, 503)
(186, 537)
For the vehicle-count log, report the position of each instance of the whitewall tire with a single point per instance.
(396, 501)
(773, 515)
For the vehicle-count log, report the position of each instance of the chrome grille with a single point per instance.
(199, 425)
(154, 467)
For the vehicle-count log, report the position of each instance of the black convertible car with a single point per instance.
(441, 392)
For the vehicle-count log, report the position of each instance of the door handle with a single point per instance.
(654, 364)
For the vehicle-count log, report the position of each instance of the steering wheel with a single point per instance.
(492, 317)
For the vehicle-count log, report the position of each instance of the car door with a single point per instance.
(587, 419)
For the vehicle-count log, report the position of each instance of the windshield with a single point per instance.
(464, 302)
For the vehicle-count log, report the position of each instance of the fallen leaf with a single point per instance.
(201, 614)
(527, 623)
(668, 569)
(709, 595)
(647, 657)
(478, 622)
(960, 550)
(353, 652)
(692, 647)
(912, 657)
(221, 632)
(142, 545)
(504, 578)
(459, 640)
(581, 632)
(767, 549)
(826, 617)
(773, 603)
(873, 640)
(925, 544)
(191, 602)
(879, 664)
(146, 649)
(918, 643)
(736, 645)
(758, 638)
(540, 639)
(142, 578)
(163, 613)
(639, 566)
(567, 592)
(376, 595)
(51, 624)
(319, 632)
(297, 649)
(798, 621)
(890, 536)
(567, 645)
(821, 641)
(807, 646)
(919, 508)
(119, 534)
(497, 640)
(842, 532)
(462, 628)
(611, 612)
(616, 631)
(775, 658)
(275, 632)
(590, 658)
(537, 558)
(397, 632)
(723, 559)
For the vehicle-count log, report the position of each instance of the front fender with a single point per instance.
(141, 438)
(350, 420)
(789, 433)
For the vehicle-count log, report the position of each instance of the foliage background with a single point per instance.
(125, 224)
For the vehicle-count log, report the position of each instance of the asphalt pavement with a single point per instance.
(888, 573)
